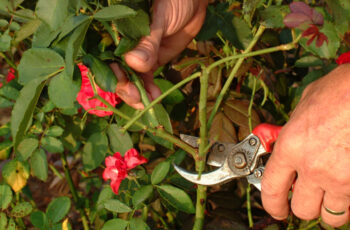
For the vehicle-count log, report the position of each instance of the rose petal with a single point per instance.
(301, 7)
(10, 75)
(115, 186)
(320, 39)
(312, 30)
(133, 159)
(344, 58)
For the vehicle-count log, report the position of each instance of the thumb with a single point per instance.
(145, 55)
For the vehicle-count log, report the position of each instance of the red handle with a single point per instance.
(267, 134)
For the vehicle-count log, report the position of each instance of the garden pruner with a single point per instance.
(235, 160)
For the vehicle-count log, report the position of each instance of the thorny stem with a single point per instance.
(74, 191)
(200, 160)
(249, 206)
(159, 99)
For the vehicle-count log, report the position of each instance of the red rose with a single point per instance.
(344, 58)
(10, 75)
(118, 166)
(86, 93)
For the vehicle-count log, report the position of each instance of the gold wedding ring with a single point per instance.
(330, 211)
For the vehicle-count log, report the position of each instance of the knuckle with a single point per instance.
(334, 222)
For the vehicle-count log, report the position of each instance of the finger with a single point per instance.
(174, 44)
(126, 90)
(307, 200)
(337, 204)
(276, 183)
(151, 88)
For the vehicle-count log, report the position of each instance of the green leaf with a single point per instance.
(95, 150)
(105, 195)
(124, 46)
(71, 23)
(39, 164)
(308, 61)
(3, 221)
(38, 219)
(116, 206)
(160, 172)
(16, 174)
(176, 197)
(44, 36)
(175, 97)
(5, 149)
(114, 224)
(9, 92)
(11, 225)
(5, 41)
(52, 145)
(119, 142)
(52, 12)
(23, 110)
(4, 103)
(75, 41)
(14, 26)
(142, 194)
(104, 76)
(21, 210)
(249, 7)
(63, 91)
(134, 27)
(38, 63)
(138, 224)
(114, 12)
(5, 196)
(130, 112)
(3, 22)
(54, 131)
(272, 16)
(58, 209)
(26, 147)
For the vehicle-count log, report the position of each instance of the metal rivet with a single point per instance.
(239, 160)
(252, 141)
(258, 173)
(221, 148)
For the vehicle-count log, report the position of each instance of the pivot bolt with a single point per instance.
(239, 160)
(252, 141)
(258, 173)
(221, 148)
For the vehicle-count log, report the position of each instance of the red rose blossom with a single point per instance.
(86, 93)
(344, 58)
(10, 75)
(118, 166)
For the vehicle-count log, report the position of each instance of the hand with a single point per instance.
(174, 24)
(315, 146)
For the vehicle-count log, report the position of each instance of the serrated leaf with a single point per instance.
(44, 36)
(9, 92)
(95, 151)
(23, 109)
(55, 131)
(105, 195)
(39, 164)
(116, 206)
(272, 16)
(5, 196)
(104, 76)
(124, 46)
(134, 27)
(27, 30)
(38, 63)
(63, 91)
(160, 172)
(138, 224)
(21, 210)
(16, 174)
(175, 97)
(119, 142)
(52, 12)
(71, 23)
(52, 145)
(114, 12)
(176, 197)
(117, 223)
(5, 41)
(142, 194)
(26, 147)
(249, 7)
(58, 209)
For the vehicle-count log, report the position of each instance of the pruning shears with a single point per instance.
(235, 160)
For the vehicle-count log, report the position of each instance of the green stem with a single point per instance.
(159, 99)
(249, 207)
(200, 161)
(233, 73)
(312, 224)
(74, 191)
(158, 131)
(166, 227)
(8, 61)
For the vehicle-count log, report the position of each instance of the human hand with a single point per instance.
(174, 24)
(315, 145)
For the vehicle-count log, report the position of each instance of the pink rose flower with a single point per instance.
(86, 93)
(117, 167)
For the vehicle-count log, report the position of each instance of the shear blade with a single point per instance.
(218, 176)
(191, 140)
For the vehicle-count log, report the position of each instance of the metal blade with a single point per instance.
(191, 140)
(255, 178)
(218, 176)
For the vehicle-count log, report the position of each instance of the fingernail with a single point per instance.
(142, 55)
(279, 217)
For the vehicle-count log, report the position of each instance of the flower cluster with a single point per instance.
(307, 19)
(10, 76)
(86, 93)
(117, 167)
